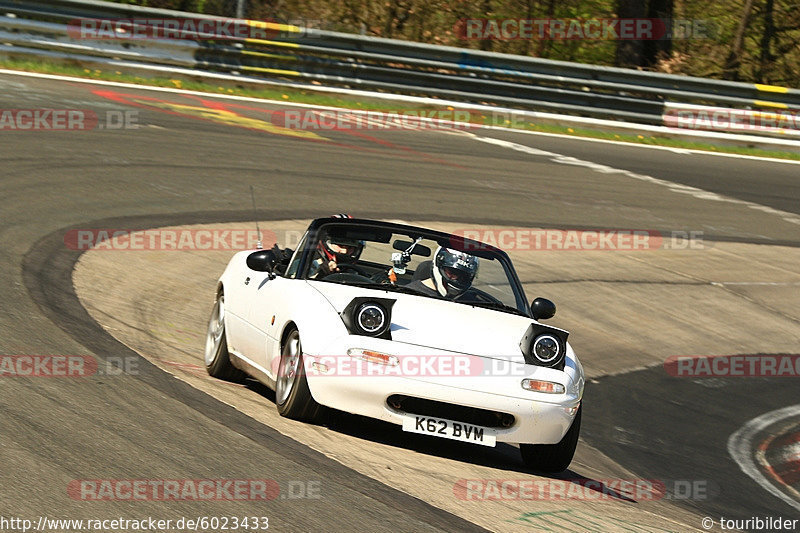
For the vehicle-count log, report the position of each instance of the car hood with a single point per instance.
(441, 325)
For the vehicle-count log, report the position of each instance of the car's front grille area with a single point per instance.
(459, 413)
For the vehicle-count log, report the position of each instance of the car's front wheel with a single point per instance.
(553, 458)
(217, 359)
(292, 395)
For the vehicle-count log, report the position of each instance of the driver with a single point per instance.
(452, 274)
(333, 251)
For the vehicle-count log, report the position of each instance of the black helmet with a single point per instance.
(352, 249)
(453, 271)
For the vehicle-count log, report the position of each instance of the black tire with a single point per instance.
(292, 395)
(217, 359)
(553, 458)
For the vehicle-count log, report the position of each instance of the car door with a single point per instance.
(240, 290)
(266, 304)
(269, 310)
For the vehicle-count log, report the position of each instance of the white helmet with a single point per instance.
(453, 271)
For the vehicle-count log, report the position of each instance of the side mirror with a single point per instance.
(262, 261)
(543, 309)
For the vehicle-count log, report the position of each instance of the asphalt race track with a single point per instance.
(191, 160)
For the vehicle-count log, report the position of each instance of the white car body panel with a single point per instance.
(420, 326)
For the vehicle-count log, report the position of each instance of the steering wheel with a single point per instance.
(477, 295)
(354, 268)
(346, 277)
(382, 277)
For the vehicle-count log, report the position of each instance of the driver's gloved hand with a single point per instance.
(381, 276)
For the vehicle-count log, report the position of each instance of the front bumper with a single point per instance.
(539, 418)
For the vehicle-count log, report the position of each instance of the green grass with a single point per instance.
(374, 104)
(229, 88)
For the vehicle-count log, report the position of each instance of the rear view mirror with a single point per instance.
(419, 249)
(262, 261)
(542, 309)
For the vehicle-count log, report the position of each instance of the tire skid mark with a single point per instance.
(752, 461)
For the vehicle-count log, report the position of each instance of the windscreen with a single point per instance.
(384, 258)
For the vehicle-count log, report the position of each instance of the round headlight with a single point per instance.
(546, 349)
(371, 318)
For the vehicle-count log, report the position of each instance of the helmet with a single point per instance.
(453, 271)
(346, 251)
(340, 249)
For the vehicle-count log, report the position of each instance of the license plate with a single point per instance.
(450, 429)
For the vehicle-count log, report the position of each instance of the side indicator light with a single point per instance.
(371, 356)
(538, 385)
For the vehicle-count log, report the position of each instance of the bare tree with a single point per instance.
(397, 16)
(487, 44)
(644, 53)
(660, 48)
(733, 62)
(765, 58)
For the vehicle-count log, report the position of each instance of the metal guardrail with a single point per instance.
(389, 65)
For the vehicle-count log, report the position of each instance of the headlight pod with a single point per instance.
(546, 349)
(370, 317)
(544, 346)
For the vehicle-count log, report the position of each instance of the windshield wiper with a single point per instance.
(494, 305)
(375, 285)
(387, 287)
(393, 288)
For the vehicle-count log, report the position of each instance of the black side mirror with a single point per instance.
(543, 309)
(262, 261)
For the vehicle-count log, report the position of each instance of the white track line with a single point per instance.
(296, 104)
(649, 146)
(604, 169)
(740, 447)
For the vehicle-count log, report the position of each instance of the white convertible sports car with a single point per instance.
(417, 327)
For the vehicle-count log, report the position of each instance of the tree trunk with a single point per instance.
(766, 57)
(734, 60)
(630, 52)
(391, 15)
(545, 44)
(487, 44)
(528, 15)
(656, 49)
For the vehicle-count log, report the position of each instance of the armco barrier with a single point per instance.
(388, 65)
